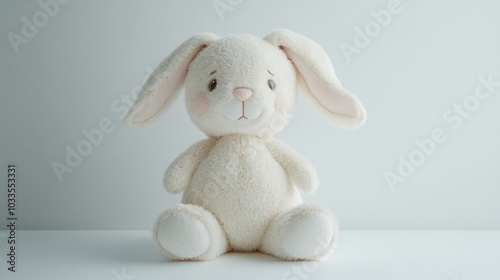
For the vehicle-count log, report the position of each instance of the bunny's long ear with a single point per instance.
(341, 107)
(164, 85)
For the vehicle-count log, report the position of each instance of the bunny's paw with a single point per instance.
(303, 233)
(189, 232)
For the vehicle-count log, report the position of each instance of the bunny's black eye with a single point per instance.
(271, 84)
(212, 84)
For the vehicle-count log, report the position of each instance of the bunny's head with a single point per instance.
(244, 84)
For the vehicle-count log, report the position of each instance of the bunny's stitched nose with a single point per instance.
(242, 93)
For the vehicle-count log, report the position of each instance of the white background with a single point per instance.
(91, 53)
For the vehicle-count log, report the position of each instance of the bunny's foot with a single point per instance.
(306, 232)
(189, 232)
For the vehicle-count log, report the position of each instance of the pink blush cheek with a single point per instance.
(200, 104)
(282, 103)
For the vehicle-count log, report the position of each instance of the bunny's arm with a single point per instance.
(297, 168)
(180, 172)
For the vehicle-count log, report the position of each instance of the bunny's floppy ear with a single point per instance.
(164, 85)
(341, 107)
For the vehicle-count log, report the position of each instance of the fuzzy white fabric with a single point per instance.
(341, 107)
(189, 232)
(306, 232)
(241, 185)
(183, 234)
(167, 79)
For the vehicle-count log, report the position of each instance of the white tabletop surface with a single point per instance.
(131, 255)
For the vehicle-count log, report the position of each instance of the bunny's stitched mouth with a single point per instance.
(242, 111)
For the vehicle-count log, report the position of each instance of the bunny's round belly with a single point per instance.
(245, 188)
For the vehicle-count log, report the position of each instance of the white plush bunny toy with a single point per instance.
(241, 185)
